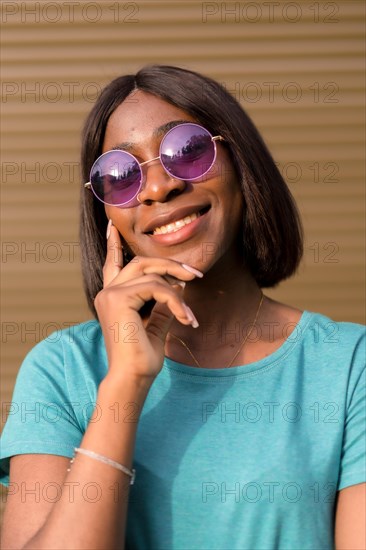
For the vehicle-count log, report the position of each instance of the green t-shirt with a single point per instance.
(248, 457)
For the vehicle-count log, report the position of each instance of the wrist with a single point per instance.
(125, 384)
(122, 398)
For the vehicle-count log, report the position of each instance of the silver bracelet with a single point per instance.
(101, 458)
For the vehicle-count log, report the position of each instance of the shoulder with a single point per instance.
(317, 330)
(333, 336)
(318, 336)
(84, 337)
(323, 348)
(73, 352)
(315, 325)
(335, 353)
(80, 335)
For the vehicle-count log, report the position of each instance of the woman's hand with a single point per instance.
(129, 344)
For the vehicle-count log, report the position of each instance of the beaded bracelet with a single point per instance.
(105, 460)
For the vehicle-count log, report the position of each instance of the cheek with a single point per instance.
(235, 204)
(231, 189)
(121, 219)
(109, 211)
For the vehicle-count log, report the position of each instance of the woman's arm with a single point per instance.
(51, 508)
(94, 516)
(350, 525)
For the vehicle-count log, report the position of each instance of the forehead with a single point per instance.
(138, 116)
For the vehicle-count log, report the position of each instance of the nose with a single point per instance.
(158, 185)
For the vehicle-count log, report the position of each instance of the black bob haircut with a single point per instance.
(272, 232)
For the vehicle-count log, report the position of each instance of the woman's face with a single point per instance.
(165, 200)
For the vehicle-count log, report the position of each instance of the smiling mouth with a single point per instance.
(173, 227)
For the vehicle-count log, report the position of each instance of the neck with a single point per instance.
(224, 302)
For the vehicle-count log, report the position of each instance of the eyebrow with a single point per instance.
(158, 132)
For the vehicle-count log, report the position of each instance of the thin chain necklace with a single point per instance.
(240, 347)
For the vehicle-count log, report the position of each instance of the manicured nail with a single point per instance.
(109, 228)
(181, 283)
(191, 316)
(193, 270)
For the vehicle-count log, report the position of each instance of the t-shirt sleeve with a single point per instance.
(41, 418)
(353, 459)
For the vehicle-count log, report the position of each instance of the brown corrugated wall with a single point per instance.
(297, 67)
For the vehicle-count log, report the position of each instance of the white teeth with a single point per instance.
(175, 226)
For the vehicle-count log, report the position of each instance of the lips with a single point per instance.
(175, 220)
(176, 226)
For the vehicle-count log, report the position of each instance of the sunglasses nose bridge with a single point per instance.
(148, 161)
(146, 170)
(157, 183)
(158, 167)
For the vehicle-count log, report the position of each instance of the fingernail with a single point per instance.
(193, 270)
(191, 316)
(109, 228)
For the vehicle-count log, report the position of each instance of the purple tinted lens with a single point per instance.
(187, 151)
(115, 177)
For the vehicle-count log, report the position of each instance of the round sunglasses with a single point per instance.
(187, 152)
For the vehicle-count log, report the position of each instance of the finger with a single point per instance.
(173, 281)
(114, 258)
(162, 293)
(159, 322)
(161, 318)
(142, 265)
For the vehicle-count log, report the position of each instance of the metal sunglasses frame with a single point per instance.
(88, 184)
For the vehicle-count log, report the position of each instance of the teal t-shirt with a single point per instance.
(248, 457)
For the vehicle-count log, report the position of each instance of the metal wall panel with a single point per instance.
(296, 67)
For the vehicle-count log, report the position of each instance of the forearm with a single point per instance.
(91, 513)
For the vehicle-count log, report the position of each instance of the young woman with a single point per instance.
(240, 418)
